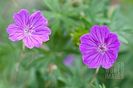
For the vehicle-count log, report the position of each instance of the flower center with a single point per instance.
(28, 31)
(102, 48)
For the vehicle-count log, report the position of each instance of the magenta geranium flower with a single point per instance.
(99, 48)
(32, 29)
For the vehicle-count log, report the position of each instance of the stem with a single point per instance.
(19, 62)
(21, 57)
(94, 76)
(23, 47)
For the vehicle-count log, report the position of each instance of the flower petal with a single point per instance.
(42, 34)
(107, 61)
(21, 18)
(31, 42)
(87, 39)
(15, 32)
(28, 43)
(36, 42)
(92, 60)
(42, 31)
(42, 38)
(113, 42)
(100, 33)
(37, 20)
(85, 49)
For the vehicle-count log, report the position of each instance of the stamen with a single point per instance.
(28, 31)
(102, 48)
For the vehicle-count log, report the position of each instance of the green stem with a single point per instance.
(23, 47)
(94, 76)
(18, 63)
(21, 57)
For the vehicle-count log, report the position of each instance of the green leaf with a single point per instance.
(122, 39)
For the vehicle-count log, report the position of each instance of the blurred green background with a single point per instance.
(68, 19)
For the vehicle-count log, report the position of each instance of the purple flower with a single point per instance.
(32, 29)
(68, 61)
(100, 47)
